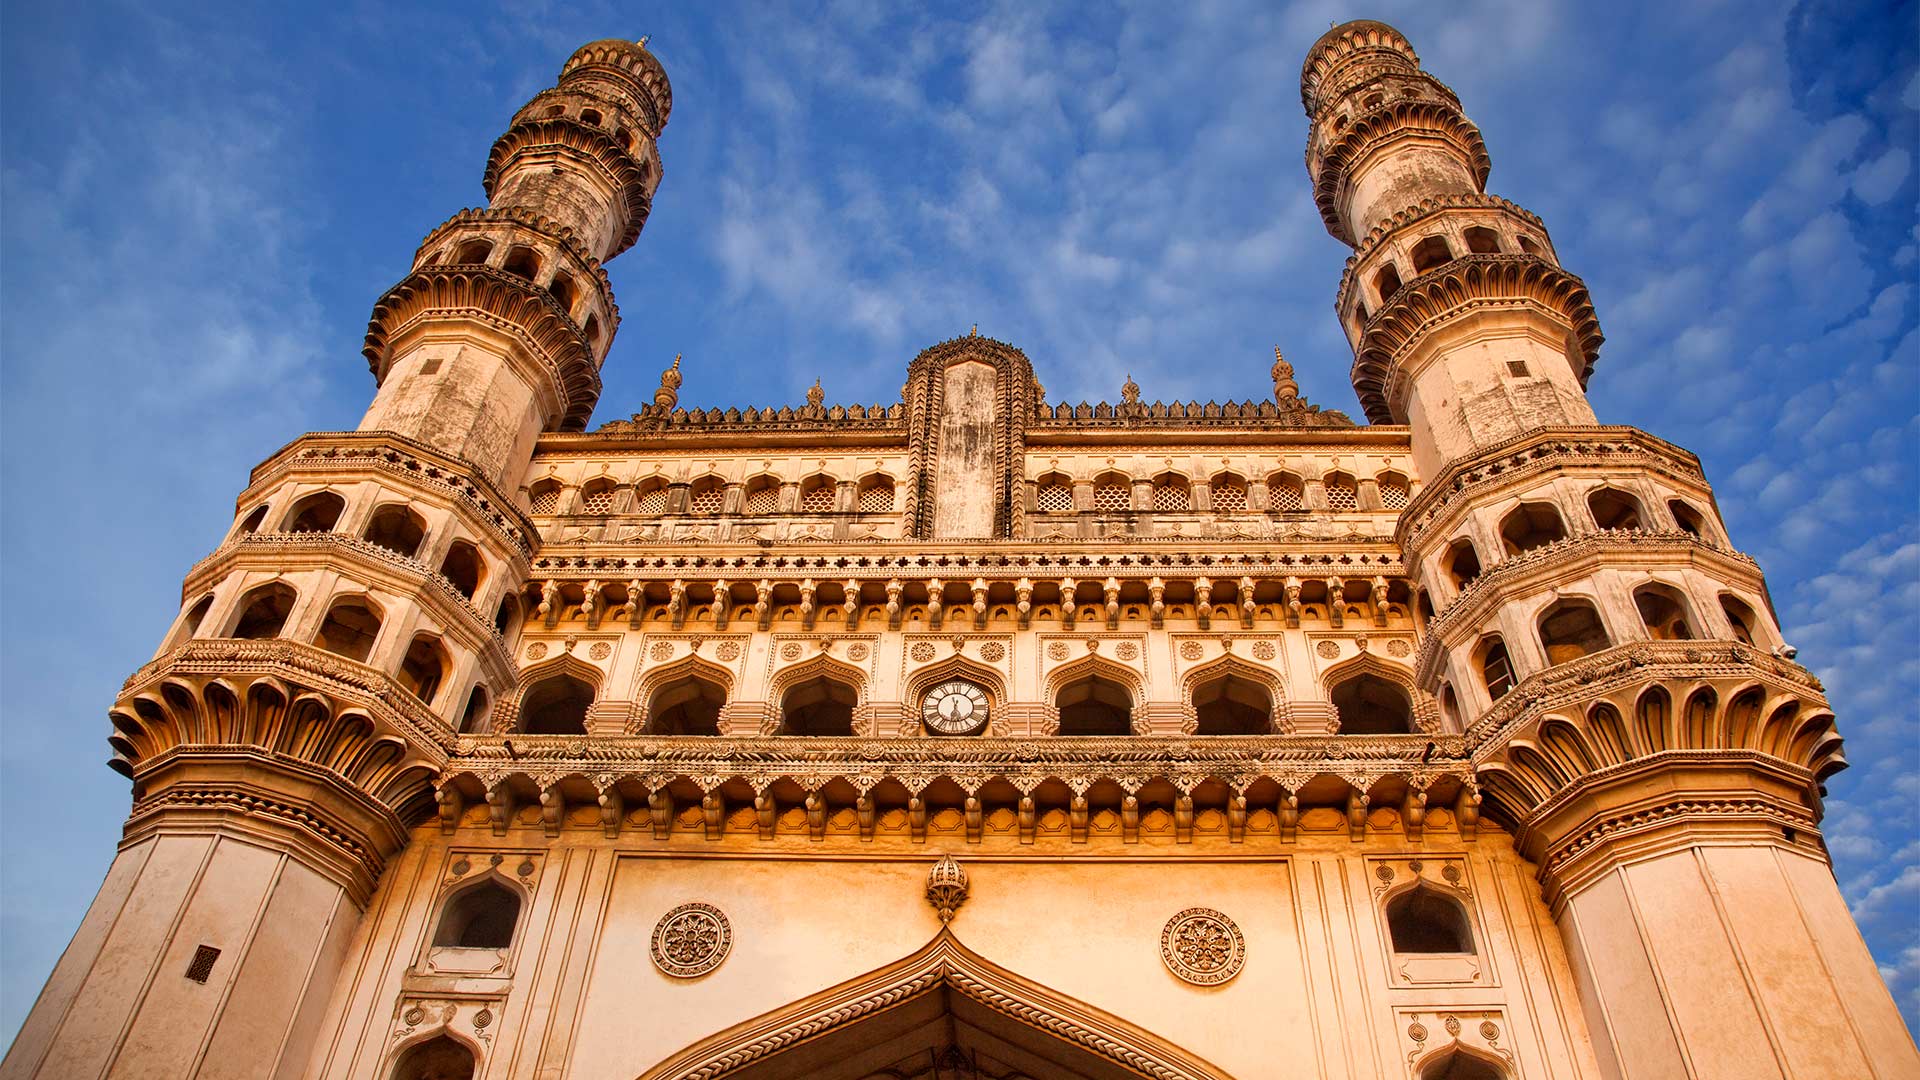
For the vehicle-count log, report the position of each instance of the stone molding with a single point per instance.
(1400, 118)
(562, 235)
(1344, 45)
(1413, 215)
(565, 136)
(632, 60)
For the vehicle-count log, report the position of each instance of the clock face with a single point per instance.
(954, 708)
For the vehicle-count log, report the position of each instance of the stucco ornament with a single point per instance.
(691, 940)
(1203, 947)
(946, 887)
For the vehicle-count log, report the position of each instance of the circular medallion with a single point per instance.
(1057, 650)
(599, 650)
(1126, 650)
(1192, 650)
(954, 708)
(1263, 650)
(1396, 647)
(691, 940)
(922, 651)
(661, 650)
(993, 652)
(790, 651)
(536, 650)
(1328, 649)
(856, 651)
(727, 650)
(1203, 947)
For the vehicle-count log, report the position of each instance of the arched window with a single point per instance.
(556, 705)
(439, 1058)
(1457, 1064)
(1739, 615)
(1482, 240)
(474, 252)
(190, 622)
(597, 496)
(1394, 490)
(507, 615)
(1095, 706)
(1531, 525)
(1687, 518)
(264, 611)
(1170, 492)
(479, 916)
(463, 567)
(1370, 705)
(318, 512)
(397, 529)
(1570, 630)
(1527, 245)
(1285, 493)
(544, 497)
(563, 292)
(650, 496)
(350, 628)
(474, 720)
(1386, 282)
(1430, 253)
(1663, 613)
(706, 496)
(763, 495)
(1496, 668)
(522, 262)
(1342, 492)
(1053, 494)
(1425, 920)
(252, 522)
(590, 116)
(1615, 509)
(1227, 493)
(1461, 562)
(1230, 705)
(592, 329)
(1450, 708)
(1112, 493)
(690, 706)
(820, 706)
(424, 668)
(876, 495)
(816, 495)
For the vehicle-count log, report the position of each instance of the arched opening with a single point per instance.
(439, 1058)
(1095, 706)
(1531, 525)
(1231, 705)
(350, 628)
(522, 263)
(1570, 630)
(264, 611)
(1394, 490)
(1227, 494)
(1386, 282)
(475, 718)
(190, 622)
(1687, 518)
(252, 522)
(1425, 920)
(876, 495)
(650, 496)
(1482, 240)
(592, 330)
(763, 495)
(1112, 493)
(544, 497)
(318, 512)
(462, 567)
(1461, 562)
(1457, 1064)
(819, 706)
(556, 705)
(474, 253)
(1170, 492)
(1663, 613)
(590, 116)
(816, 494)
(1740, 617)
(689, 706)
(597, 497)
(1053, 494)
(479, 916)
(1527, 245)
(397, 529)
(1286, 493)
(1370, 705)
(1615, 509)
(424, 668)
(507, 615)
(1450, 708)
(1430, 253)
(706, 496)
(562, 290)
(1342, 492)
(1496, 668)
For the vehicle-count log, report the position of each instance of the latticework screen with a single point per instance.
(1054, 498)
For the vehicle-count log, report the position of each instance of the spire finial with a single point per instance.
(1130, 391)
(975, 332)
(669, 393)
(1285, 390)
(815, 395)
(644, 38)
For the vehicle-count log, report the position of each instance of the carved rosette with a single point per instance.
(691, 940)
(1203, 947)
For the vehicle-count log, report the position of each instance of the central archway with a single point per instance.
(943, 1003)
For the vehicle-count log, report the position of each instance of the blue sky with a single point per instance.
(199, 207)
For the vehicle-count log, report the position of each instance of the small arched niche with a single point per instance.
(1171, 492)
(1286, 493)
(264, 611)
(819, 706)
(397, 529)
(522, 262)
(1095, 706)
(1689, 519)
(474, 253)
(686, 706)
(1615, 509)
(1663, 613)
(463, 567)
(1053, 494)
(875, 495)
(190, 622)
(1461, 563)
(480, 916)
(1496, 667)
(252, 522)
(1425, 920)
(351, 626)
(1482, 240)
(1431, 253)
(424, 667)
(1370, 705)
(763, 495)
(1531, 525)
(439, 1058)
(1571, 629)
(1230, 704)
(475, 718)
(1457, 1064)
(1227, 493)
(318, 512)
(1740, 617)
(556, 705)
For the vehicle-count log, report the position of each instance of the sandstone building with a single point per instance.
(974, 735)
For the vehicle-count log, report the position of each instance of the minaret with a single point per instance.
(292, 728)
(1638, 723)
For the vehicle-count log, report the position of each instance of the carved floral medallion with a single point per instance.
(691, 940)
(1203, 947)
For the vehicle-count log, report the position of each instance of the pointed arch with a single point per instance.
(943, 964)
(1367, 666)
(1093, 664)
(691, 666)
(819, 666)
(1233, 667)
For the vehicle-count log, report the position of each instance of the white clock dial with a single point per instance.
(954, 708)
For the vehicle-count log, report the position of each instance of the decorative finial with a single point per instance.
(815, 395)
(1130, 391)
(975, 332)
(669, 393)
(946, 887)
(1285, 390)
(644, 38)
